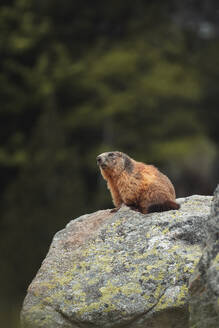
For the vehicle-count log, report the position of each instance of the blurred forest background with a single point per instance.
(81, 77)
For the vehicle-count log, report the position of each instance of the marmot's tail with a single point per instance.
(166, 206)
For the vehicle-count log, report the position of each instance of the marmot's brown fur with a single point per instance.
(135, 184)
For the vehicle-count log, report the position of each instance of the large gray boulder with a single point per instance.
(204, 283)
(121, 269)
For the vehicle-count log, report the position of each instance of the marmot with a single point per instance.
(142, 187)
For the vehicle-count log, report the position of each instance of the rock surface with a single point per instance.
(123, 269)
(204, 283)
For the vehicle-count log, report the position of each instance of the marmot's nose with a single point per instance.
(99, 160)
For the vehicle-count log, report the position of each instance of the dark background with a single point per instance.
(81, 77)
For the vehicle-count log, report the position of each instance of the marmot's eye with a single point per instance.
(111, 154)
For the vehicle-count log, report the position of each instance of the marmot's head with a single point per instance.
(114, 162)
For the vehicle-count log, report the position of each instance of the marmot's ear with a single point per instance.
(128, 164)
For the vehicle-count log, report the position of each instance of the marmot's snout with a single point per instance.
(101, 160)
(108, 159)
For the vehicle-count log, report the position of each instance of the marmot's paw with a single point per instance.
(134, 208)
(114, 210)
